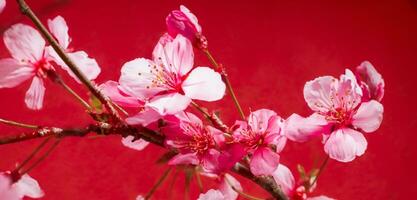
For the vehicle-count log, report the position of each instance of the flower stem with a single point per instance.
(34, 152)
(214, 119)
(227, 82)
(18, 124)
(241, 193)
(323, 165)
(46, 154)
(198, 178)
(74, 94)
(158, 183)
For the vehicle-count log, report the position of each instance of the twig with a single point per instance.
(158, 183)
(18, 124)
(54, 145)
(34, 152)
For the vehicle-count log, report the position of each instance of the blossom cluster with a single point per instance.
(157, 92)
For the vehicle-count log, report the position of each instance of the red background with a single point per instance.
(270, 49)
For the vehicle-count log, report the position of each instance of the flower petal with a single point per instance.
(368, 117)
(2, 5)
(226, 187)
(300, 129)
(24, 43)
(322, 197)
(111, 90)
(259, 119)
(373, 80)
(264, 161)
(27, 186)
(317, 93)
(176, 55)
(34, 95)
(184, 159)
(144, 118)
(136, 78)
(59, 30)
(13, 73)
(138, 145)
(171, 103)
(204, 84)
(6, 191)
(345, 144)
(284, 178)
(183, 22)
(212, 194)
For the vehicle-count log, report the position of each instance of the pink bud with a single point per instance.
(185, 23)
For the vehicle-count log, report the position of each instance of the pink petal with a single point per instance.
(6, 191)
(24, 43)
(373, 80)
(138, 145)
(226, 187)
(317, 93)
(13, 73)
(284, 178)
(144, 118)
(204, 84)
(111, 90)
(34, 95)
(59, 30)
(368, 117)
(27, 186)
(171, 103)
(212, 195)
(183, 22)
(345, 144)
(136, 78)
(184, 159)
(210, 161)
(300, 129)
(175, 55)
(264, 161)
(140, 197)
(87, 65)
(2, 5)
(259, 119)
(322, 197)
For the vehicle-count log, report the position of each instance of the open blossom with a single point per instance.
(261, 136)
(29, 61)
(88, 66)
(197, 144)
(169, 82)
(183, 22)
(370, 81)
(2, 5)
(295, 191)
(16, 190)
(340, 115)
(224, 191)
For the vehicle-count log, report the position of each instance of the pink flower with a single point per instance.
(88, 66)
(27, 48)
(24, 186)
(169, 82)
(261, 136)
(340, 116)
(2, 5)
(224, 191)
(197, 144)
(183, 22)
(295, 191)
(370, 81)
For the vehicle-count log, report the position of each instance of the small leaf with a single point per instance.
(95, 103)
(301, 171)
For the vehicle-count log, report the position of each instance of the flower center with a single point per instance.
(41, 67)
(163, 77)
(252, 139)
(201, 140)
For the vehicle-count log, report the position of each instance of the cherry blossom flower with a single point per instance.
(261, 136)
(29, 61)
(197, 144)
(88, 66)
(2, 5)
(295, 191)
(169, 82)
(340, 116)
(370, 81)
(225, 190)
(16, 190)
(183, 22)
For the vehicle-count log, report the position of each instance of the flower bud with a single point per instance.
(185, 23)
